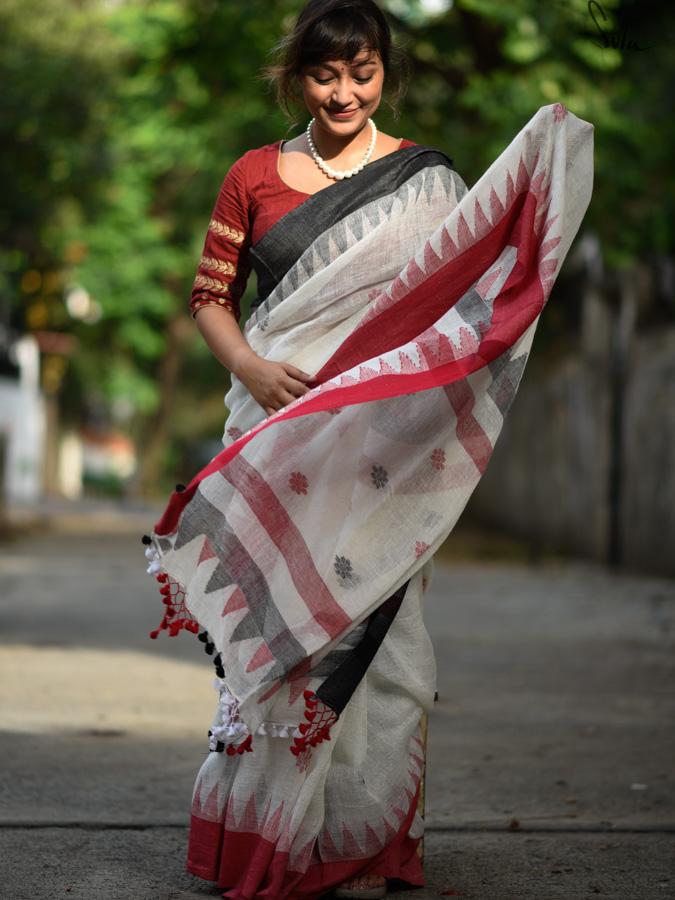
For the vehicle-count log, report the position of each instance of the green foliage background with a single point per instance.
(119, 120)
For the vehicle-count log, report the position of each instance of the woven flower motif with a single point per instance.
(372, 295)
(438, 459)
(559, 112)
(298, 483)
(335, 411)
(234, 432)
(343, 567)
(379, 476)
(420, 548)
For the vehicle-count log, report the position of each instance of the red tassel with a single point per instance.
(246, 745)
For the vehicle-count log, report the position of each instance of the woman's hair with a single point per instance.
(336, 29)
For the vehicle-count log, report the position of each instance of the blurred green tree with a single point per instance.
(127, 115)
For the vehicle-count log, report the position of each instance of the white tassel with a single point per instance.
(283, 732)
(154, 567)
(151, 553)
(262, 729)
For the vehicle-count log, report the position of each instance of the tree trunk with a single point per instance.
(155, 434)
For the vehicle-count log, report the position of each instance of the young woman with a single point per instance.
(338, 59)
(391, 328)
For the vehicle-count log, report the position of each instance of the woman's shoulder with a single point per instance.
(252, 163)
(256, 155)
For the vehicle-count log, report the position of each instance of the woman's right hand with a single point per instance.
(271, 384)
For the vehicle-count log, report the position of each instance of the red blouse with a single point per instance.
(251, 199)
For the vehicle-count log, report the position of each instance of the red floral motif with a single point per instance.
(438, 459)
(298, 483)
(559, 112)
(234, 432)
(374, 294)
(420, 548)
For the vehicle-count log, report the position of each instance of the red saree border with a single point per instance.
(248, 867)
(525, 280)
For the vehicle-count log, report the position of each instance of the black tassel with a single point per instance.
(146, 539)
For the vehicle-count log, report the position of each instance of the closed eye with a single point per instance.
(358, 80)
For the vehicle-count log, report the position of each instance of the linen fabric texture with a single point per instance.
(413, 302)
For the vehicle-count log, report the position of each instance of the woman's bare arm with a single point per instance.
(272, 384)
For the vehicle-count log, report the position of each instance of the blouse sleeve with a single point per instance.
(224, 266)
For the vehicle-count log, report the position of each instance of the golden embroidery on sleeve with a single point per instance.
(218, 265)
(212, 284)
(223, 230)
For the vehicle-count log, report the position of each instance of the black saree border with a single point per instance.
(273, 255)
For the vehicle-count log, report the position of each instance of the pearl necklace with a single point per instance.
(346, 173)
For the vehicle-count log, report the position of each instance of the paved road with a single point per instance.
(550, 770)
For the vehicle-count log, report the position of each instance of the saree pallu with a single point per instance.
(302, 552)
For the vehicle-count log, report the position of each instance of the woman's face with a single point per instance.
(353, 87)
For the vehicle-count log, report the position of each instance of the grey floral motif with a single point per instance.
(343, 567)
(379, 476)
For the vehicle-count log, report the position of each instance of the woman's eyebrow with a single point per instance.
(354, 65)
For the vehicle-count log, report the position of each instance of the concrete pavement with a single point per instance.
(550, 768)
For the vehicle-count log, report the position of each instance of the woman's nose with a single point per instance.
(343, 93)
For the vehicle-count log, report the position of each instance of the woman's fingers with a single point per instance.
(287, 397)
(295, 387)
(294, 372)
(282, 398)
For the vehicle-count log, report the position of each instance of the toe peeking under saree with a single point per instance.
(301, 553)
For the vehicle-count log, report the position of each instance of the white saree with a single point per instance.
(414, 303)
